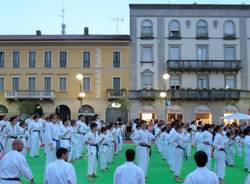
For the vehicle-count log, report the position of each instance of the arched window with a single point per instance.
(174, 29)
(202, 29)
(147, 79)
(147, 28)
(229, 28)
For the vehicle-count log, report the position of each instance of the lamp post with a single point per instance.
(81, 95)
(163, 94)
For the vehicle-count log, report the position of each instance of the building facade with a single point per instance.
(43, 68)
(205, 50)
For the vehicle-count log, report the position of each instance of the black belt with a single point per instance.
(11, 179)
(13, 137)
(36, 130)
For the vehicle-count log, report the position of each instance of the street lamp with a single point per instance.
(79, 76)
(163, 94)
(166, 76)
(81, 95)
(116, 105)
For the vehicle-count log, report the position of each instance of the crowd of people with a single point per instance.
(66, 140)
(175, 141)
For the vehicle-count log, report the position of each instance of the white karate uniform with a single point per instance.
(239, 143)
(3, 138)
(187, 143)
(220, 156)
(206, 136)
(129, 173)
(92, 152)
(247, 179)
(60, 172)
(49, 143)
(197, 139)
(35, 138)
(143, 136)
(110, 154)
(10, 134)
(64, 137)
(202, 175)
(230, 150)
(14, 165)
(103, 151)
(171, 148)
(177, 140)
(247, 152)
(23, 135)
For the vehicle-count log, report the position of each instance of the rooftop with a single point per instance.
(191, 6)
(75, 37)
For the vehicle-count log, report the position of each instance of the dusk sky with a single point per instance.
(26, 16)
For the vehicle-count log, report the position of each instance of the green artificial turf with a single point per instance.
(158, 173)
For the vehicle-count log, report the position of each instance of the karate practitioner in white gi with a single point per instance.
(201, 175)
(91, 139)
(60, 171)
(143, 137)
(220, 155)
(247, 150)
(129, 173)
(14, 165)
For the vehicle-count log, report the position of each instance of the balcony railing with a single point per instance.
(203, 65)
(204, 94)
(29, 94)
(116, 93)
(144, 94)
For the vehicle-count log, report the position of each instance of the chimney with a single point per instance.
(38, 33)
(86, 31)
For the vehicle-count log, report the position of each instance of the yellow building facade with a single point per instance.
(43, 68)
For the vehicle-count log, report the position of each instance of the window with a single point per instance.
(63, 59)
(229, 53)
(47, 59)
(62, 84)
(47, 83)
(174, 53)
(147, 53)
(86, 84)
(116, 86)
(15, 83)
(229, 29)
(147, 28)
(32, 59)
(1, 83)
(31, 83)
(16, 59)
(147, 79)
(116, 59)
(86, 59)
(174, 29)
(202, 52)
(175, 82)
(203, 82)
(202, 29)
(230, 82)
(1, 59)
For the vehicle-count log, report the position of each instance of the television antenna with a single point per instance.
(63, 26)
(117, 20)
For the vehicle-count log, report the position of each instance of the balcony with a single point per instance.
(174, 35)
(29, 95)
(204, 94)
(202, 36)
(204, 65)
(144, 94)
(113, 94)
(229, 36)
